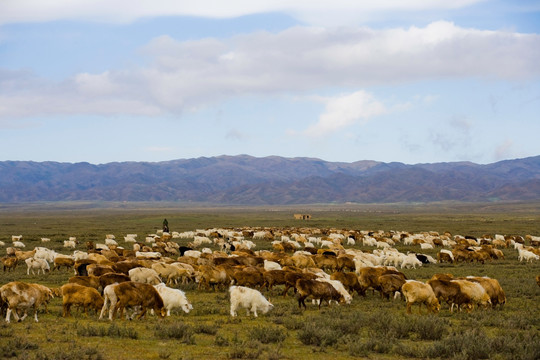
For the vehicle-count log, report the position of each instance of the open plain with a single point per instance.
(368, 327)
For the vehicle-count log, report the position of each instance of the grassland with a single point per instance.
(368, 328)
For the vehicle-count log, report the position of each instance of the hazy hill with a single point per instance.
(270, 180)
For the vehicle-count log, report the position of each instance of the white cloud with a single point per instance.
(123, 11)
(235, 134)
(182, 75)
(344, 111)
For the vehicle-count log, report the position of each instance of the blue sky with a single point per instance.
(410, 81)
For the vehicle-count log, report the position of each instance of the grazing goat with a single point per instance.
(318, 290)
(75, 294)
(250, 299)
(173, 298)
(37, 264)
(417, 292)
(23, 296)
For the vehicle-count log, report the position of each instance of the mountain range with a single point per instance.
(249, 180)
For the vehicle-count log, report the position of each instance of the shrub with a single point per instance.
(410, 350)
(122, 332)
(245, 350)
(14, 346)
(274, 353)
(391, 326)
(72, 353)
(375, 343)
(524, 346)
(5, 330)
(113, 331)
(180, 331)
(291, 323)
(467, 344)
(430, 327)
(210, 329)
(317, 335)
(269, 334)
(220, 340)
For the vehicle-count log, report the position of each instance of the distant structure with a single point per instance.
(302, 216)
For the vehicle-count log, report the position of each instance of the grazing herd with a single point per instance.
(324, 265)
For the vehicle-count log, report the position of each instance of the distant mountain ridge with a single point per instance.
(249, 180)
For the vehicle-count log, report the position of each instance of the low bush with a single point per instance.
(245, 350)
(112, 330)
(430, 327)
(318, 335)
(179, 331)
(468, 344)
(71, 353)
(221, 341)
(209, 329)
(380, 345)
(15, 347)
(268, 334)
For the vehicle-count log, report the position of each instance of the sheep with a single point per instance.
(22, 296)
(250, 299)
(338, 285)
(63, 260)
(319, 290)
(102, 247)
(448, 291)
(23, 255)
(173, 298)
(110, 242)
(70, 244)
(416, 292)
(271, 265)
(169, 272)
(144, 275)
(37, 264)
(147, 254)
(445, 256)
(109, 301)
(326, 243)
(349, 280)
(150, 239)
(133, 294)
(410, 261)
(130, 239)
(493, 289)
(475, 292)
(526, 255)
(382, 245)
(79, 255)
(9, 263)
(390, 284)
(45, 254)
(192, 253)
(75, 294)
(16, 238)
(98, 270)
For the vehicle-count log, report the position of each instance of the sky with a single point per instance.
(419, 81)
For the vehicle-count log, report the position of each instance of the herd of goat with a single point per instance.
(325, 265)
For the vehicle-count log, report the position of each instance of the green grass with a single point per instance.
(369, 327)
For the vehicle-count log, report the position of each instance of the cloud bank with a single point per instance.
(125, 11)
(181, 75)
